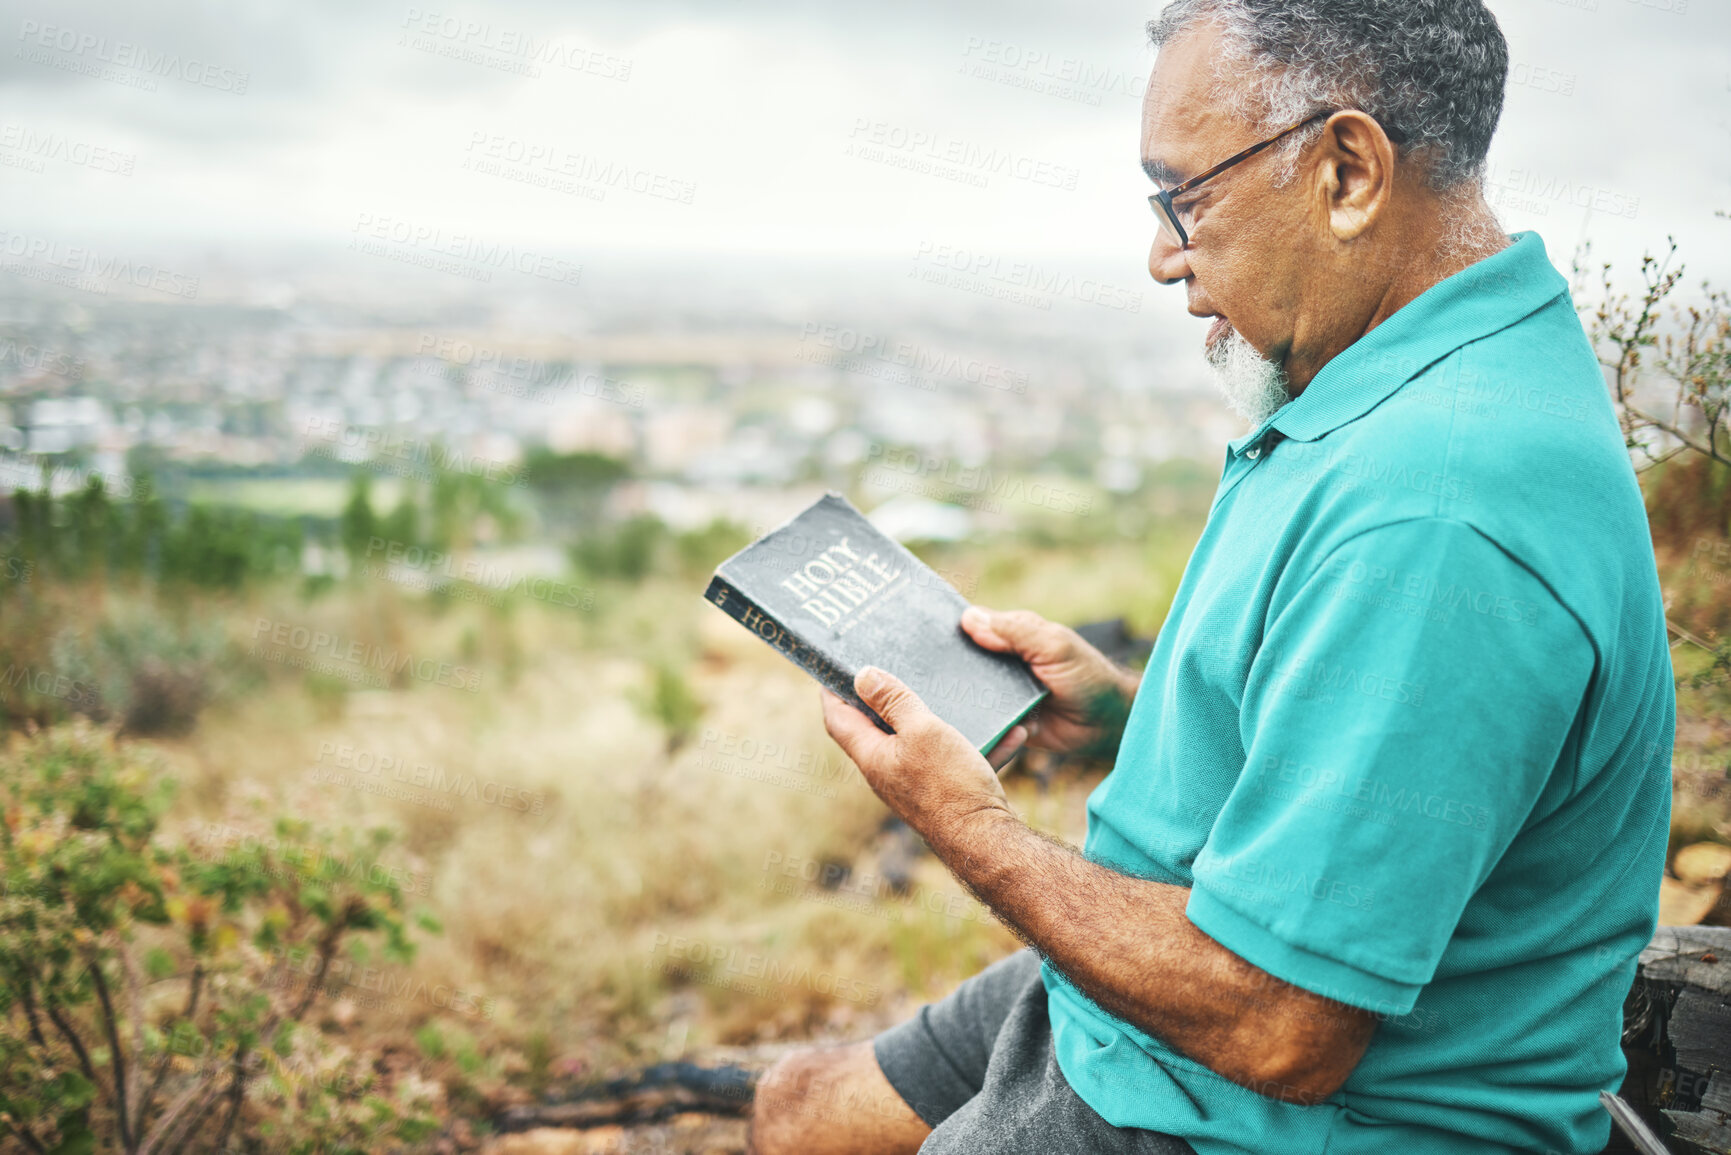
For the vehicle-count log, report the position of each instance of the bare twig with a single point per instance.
(134, 984)
(327, 949)
(1707, 450)
(236, 1091)
(167, 1127)
(1695, 357)
(27, 996)
(162, 1064)
(1687, 636)
(1668, 455)
(24, 1133)
(196, 1119)
(110, 1024)
(77, 1045)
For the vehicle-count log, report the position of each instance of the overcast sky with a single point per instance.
(809, 127)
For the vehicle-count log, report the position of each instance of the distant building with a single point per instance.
(921, 519)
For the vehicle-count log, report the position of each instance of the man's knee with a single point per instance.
(788, 1102)
(831, 1101)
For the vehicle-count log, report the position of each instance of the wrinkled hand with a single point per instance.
(1091, 695)
(926, 771)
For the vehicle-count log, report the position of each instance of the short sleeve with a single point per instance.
(1408, 703)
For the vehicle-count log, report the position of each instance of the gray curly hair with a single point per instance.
(1433, 69)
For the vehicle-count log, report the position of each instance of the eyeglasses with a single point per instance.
(1168, 215)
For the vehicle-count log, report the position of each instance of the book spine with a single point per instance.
(819, 665)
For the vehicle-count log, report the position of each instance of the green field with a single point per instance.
(320, 497)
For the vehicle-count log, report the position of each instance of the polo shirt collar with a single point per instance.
(1472, 304)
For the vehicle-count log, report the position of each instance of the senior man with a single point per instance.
(1389, 808)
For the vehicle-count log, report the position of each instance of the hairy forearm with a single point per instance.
(1127, 944)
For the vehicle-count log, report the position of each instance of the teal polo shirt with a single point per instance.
(1406, 737)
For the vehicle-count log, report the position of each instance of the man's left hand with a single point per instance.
(926, 771)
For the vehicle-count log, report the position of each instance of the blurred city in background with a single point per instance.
(379, 386)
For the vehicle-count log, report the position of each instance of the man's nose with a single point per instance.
(1167, 263)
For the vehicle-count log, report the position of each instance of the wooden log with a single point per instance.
(1677, 1038)
(651, 1095)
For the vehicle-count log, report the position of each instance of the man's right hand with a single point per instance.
(1091, 694)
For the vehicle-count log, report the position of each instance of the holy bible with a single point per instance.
(834, 594)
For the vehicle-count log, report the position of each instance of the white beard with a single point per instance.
(1255, 387)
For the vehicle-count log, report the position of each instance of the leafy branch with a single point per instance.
(98, 915)
(1691, 355)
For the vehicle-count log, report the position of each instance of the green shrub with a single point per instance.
(152, 994)
(670, 703)
(701, 550)
(151, 671)
(88, 534)
(628, 551)
(548, 470)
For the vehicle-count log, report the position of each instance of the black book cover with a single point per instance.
(835, 595)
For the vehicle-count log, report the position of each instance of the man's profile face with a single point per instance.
(1241, 266)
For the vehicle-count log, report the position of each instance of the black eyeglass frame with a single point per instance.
(1161, 202)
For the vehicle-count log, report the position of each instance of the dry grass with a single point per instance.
(569, 918)
(568, 915)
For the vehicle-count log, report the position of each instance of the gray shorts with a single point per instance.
(979, 1068)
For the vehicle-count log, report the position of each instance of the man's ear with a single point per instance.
(1355, 172)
